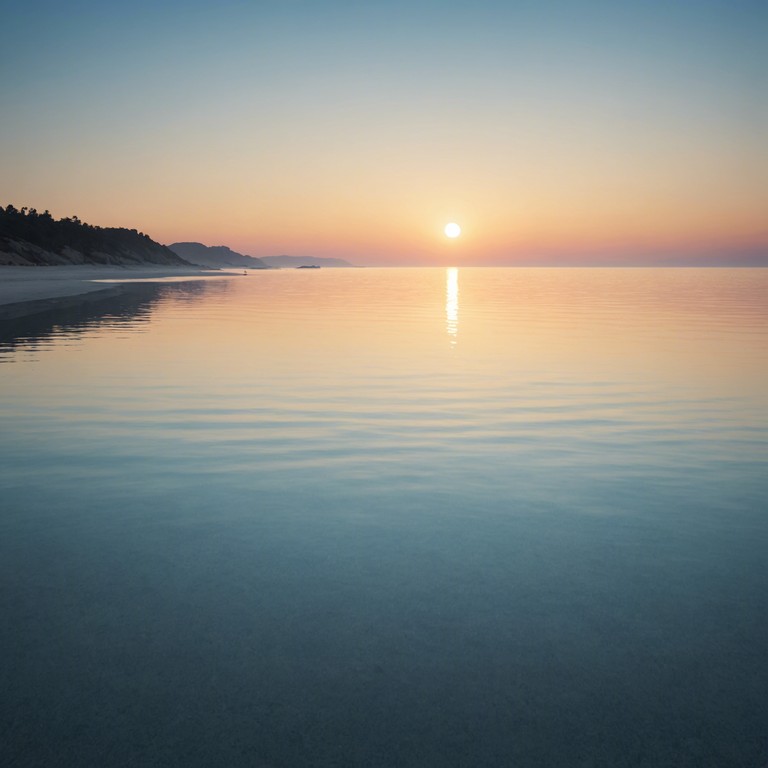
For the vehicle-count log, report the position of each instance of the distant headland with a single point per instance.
(32, 239)
(222, 257)
(215, 256)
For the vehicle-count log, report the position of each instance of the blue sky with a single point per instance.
(289, 104)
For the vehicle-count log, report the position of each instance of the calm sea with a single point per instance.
(384, 518)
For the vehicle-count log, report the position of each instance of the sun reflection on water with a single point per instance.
(452, 304)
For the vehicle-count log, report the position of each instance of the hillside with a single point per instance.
(304, 261)
(216, 256)
(29, 238)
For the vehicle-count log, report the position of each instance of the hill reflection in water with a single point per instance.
(128, 310)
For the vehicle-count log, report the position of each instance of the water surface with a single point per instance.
(389, 518)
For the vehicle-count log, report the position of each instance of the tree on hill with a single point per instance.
(97, 245)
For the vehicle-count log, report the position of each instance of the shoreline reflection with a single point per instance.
(131, 309)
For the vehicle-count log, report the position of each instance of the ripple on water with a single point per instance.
(390, 517)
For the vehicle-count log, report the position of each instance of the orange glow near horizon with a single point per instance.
(402, 224)
(405, 236)
(490, 234)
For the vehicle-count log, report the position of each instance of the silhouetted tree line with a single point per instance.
(97, 244)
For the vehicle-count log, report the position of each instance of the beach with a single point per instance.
(30, 290)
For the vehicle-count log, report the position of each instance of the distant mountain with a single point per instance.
(215, 256)
(304, 261)
(29, 238)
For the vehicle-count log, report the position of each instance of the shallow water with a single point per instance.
(389, 518)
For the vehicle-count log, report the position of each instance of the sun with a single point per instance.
(452, 230)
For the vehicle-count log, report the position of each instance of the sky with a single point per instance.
(551, 131)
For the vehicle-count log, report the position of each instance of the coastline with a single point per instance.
(31, 290)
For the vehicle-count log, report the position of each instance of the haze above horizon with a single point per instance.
(550, 132)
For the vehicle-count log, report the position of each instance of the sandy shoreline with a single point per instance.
(30, 290)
